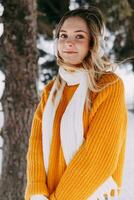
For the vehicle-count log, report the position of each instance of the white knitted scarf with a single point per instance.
(71, 126)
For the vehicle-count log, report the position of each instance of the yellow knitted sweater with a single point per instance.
(100, 156)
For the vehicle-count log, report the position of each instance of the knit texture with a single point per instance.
(100, 156)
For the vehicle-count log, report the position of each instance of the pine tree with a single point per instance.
(19, 58)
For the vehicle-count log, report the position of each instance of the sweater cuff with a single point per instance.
(38, 197)
(36, 188)
(52, 197)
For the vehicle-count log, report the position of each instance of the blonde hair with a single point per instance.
(95, 64)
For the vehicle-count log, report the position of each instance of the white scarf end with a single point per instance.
(104, 191)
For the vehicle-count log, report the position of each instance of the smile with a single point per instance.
(69, 52)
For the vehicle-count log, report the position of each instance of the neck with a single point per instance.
(78, 76)
(72, 68)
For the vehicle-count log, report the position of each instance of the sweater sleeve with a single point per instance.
(36, 175)
(97, 157)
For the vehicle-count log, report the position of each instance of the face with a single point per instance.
(73, 42)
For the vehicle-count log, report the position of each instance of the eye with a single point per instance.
(79, 36)
(63, 35)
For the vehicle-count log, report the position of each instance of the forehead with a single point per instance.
(74, 23)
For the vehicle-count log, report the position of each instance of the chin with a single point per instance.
(72, 62)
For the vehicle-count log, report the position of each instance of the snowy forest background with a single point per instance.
(27, 63)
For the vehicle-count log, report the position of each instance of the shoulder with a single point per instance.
(112, 87)
(47, 88)
(112, 93)
(43, 98)
(49, 85)
(112, 83)
(110, 77)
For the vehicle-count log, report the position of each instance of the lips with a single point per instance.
(69, 52)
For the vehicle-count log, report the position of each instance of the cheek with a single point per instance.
(84, 47)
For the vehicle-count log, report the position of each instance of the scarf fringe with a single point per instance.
(103, 192)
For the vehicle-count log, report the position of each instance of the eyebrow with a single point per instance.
(75, 31)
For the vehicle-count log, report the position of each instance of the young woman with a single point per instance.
(77, 143)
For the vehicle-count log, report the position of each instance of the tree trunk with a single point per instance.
(20, 95)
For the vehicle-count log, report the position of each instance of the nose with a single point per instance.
(69, 42)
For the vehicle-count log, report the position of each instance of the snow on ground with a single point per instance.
(1, 24)
(125, 72)
(128, 180)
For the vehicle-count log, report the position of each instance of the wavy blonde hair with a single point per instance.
(95, 64)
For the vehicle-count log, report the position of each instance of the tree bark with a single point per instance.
(19, 99)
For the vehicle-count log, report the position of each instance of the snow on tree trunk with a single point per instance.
(19, 57)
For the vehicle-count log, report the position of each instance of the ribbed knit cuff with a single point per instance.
(38, 197)
(52, 197)
(36, 188)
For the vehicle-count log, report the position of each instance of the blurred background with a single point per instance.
(27, 63)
